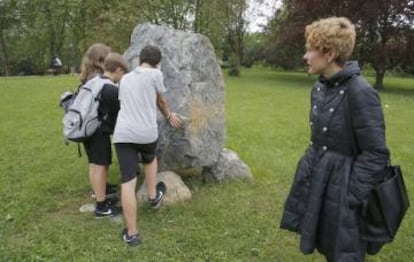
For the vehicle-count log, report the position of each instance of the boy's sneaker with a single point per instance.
(111, 191)
(109, 210)
(133, 240)
(161, 189)
(113, 201)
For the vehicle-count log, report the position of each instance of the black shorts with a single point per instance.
(98, 149)
(129, 155)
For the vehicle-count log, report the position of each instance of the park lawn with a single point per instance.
(43, 182)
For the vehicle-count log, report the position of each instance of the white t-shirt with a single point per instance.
(137, 117)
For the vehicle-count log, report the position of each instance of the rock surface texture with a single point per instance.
(228, 167)
(195, 90)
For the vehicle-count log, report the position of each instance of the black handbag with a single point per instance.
(385, 208)
(386, 205)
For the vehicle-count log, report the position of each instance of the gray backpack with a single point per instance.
(81, 119)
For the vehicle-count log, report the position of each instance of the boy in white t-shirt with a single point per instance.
(136, 133)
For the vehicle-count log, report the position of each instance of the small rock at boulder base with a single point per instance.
(228, 167)
(177, 191)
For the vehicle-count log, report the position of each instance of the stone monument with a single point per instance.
(195, 90)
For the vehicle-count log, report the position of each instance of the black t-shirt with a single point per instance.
(108, 108)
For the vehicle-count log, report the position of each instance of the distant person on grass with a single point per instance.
(332, 178)
(100, 62)
(56, 65)
(136, 133)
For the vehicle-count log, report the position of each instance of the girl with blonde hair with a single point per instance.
(105, 70)
(93, 61)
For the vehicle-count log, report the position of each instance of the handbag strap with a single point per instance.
(348, 118)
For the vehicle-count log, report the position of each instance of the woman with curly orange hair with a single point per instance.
(347, 151)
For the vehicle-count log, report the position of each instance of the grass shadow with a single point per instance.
(301, 79)
(298, 78)
(400, 91)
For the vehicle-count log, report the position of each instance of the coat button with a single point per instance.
(311, 142)
(311, 123)
(315, 106)
(336, 84)
(324, 129)
(325, 148)
(318, 89)
(342, 92)
(331, 110)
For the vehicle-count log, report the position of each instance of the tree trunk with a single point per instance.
(5, 55)
(197, 17)
(51, 31)
(379, 78)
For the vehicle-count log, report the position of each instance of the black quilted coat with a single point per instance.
(323, 205)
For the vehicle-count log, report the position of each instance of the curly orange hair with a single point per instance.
(333, 33)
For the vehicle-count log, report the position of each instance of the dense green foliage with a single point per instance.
(43, 182)
(385, 32)
(32, 32)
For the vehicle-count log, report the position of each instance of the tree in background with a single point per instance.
(407, 64)
(384, 28)
(224, 22)
(64, 28)
(9, 14)
(254, 49)
(34, 31)
(285, 41)
(235, 28)
(169, 12)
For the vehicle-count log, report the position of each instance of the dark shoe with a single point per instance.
(111, 191)
(113, 202)
(133, 240)
(108, 211)
(161, 189)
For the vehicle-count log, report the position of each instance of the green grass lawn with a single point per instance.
(43, 182)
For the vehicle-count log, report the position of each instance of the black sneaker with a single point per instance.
(108, 211)
(111, 191)
(113, 201)
(133, 240)
(161, 189)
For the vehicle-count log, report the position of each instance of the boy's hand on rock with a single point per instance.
(175, 120)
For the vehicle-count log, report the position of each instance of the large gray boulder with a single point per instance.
(195, 90)
(195, 87)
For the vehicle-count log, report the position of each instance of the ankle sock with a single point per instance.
(101, 205)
